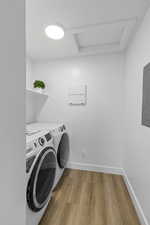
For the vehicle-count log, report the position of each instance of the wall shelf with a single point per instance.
(33, 92)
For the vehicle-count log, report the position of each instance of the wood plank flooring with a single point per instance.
(90, 198)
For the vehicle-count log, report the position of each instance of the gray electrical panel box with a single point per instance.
(146, 96)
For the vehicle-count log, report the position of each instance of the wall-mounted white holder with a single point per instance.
(77, 94)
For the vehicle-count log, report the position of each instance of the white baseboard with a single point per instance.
(135, 201)
(95, 168)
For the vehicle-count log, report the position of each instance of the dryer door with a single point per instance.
(63, 151)
(42, 179)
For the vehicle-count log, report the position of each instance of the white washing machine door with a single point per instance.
(42, 178)
(63, 151)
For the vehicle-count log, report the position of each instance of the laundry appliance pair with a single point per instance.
(47, 154)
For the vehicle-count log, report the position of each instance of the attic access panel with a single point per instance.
(102, 35)
(146, 96)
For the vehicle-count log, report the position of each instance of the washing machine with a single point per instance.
(61, 144)
(41, 163)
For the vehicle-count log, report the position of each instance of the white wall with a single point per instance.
(137, 144)
(95, 129)
(12, 112)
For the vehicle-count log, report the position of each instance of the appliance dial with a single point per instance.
(61, 128)
(41, 141)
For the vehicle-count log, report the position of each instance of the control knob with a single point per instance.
(41, 141)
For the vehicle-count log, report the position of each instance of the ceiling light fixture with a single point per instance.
(54, 32)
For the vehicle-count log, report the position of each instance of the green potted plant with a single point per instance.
(39, 85)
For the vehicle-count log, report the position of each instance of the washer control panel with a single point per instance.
(33, 147)
(48, 137)
(41, 141)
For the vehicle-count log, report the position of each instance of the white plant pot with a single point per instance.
(39, 90)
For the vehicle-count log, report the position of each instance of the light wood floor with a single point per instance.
(89, 198)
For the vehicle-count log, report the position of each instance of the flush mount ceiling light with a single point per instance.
(54, 32)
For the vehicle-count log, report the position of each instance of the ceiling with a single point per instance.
(91, 26)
